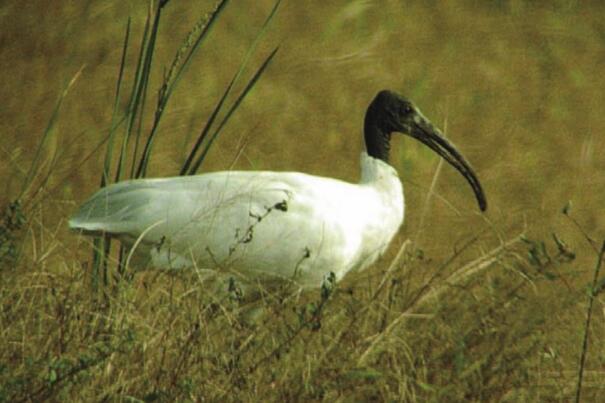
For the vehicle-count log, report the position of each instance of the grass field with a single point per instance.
(464, 307)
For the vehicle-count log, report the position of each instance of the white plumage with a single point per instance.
(285, 224)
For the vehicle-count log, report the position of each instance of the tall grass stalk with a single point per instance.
(172, 79)
(36, 162)
(431, 191)
(187, 168)
(134, 114)
(139, 86)
(114, 115)
(236, 104)
(592, 292)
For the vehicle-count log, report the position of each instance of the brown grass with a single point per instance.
(466, 311)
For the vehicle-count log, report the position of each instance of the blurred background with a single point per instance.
(518, 86)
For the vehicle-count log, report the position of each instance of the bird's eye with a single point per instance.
(406, 109)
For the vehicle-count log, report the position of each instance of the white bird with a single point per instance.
(285, 224)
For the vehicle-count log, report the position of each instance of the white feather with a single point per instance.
(284, 224)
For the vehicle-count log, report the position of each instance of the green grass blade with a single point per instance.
(169, 85)
(133, 99)
(35, 165)
(136, 111)
(137, 141)
(175, 73)
(233, 108)
(94, 151)
(589, 309)
(143, 83)
(186, 169)
(206, 129)
(114, 114)
(142, 96)
(102, 247)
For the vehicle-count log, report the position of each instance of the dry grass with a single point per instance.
(466, 310)
(479, 332)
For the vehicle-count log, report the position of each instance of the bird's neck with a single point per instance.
(378, 142)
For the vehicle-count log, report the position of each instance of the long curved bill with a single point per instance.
(424, 131)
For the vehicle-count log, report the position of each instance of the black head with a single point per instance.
(390, 112)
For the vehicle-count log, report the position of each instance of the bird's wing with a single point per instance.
(164, 206)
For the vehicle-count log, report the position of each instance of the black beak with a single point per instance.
(421, 129)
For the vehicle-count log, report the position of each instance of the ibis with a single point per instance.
(289, 225)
